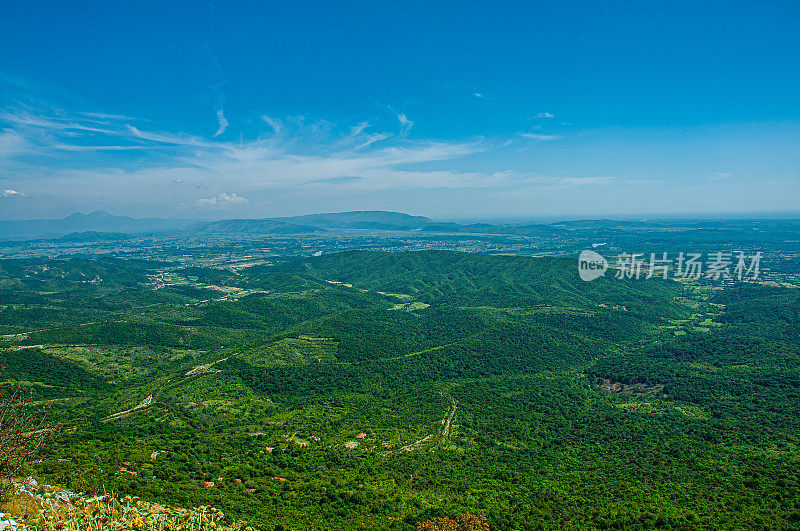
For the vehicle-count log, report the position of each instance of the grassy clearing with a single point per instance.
(410, 306)
(288, 352)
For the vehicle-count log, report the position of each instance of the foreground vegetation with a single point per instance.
(51, 509)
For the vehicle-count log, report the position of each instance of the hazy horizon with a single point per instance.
(509, 219)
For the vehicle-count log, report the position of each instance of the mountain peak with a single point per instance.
(97, 214)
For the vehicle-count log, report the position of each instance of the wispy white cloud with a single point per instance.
(358, 128)
(304, 156)
(585, 181)
(50, 153)
(537, 136)
(221, 201)
(12, 143)
(223, 123)
(169, 138)
(105, 116)
(59, 123)
(273, 123)
(72, 147)
(360, 140)
(371, 139)
(405, 123)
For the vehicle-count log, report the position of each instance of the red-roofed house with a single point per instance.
(361, 435)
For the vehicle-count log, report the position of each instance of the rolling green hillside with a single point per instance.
(375, 389)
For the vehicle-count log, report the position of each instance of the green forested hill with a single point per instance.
(494, 383)
(454, 279)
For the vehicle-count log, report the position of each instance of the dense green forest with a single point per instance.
(382, 389)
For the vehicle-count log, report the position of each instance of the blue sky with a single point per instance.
(446, 109)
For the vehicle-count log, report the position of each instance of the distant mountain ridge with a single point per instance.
(361, 219)
(95, 223)
(310, 223)
(252, 226)
(101, 225)
(103, 222)
(546, 231)
(98, 221)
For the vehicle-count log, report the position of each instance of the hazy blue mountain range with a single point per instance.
(252, 226)
(378, 220)
(707, 230)
(99, 221)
